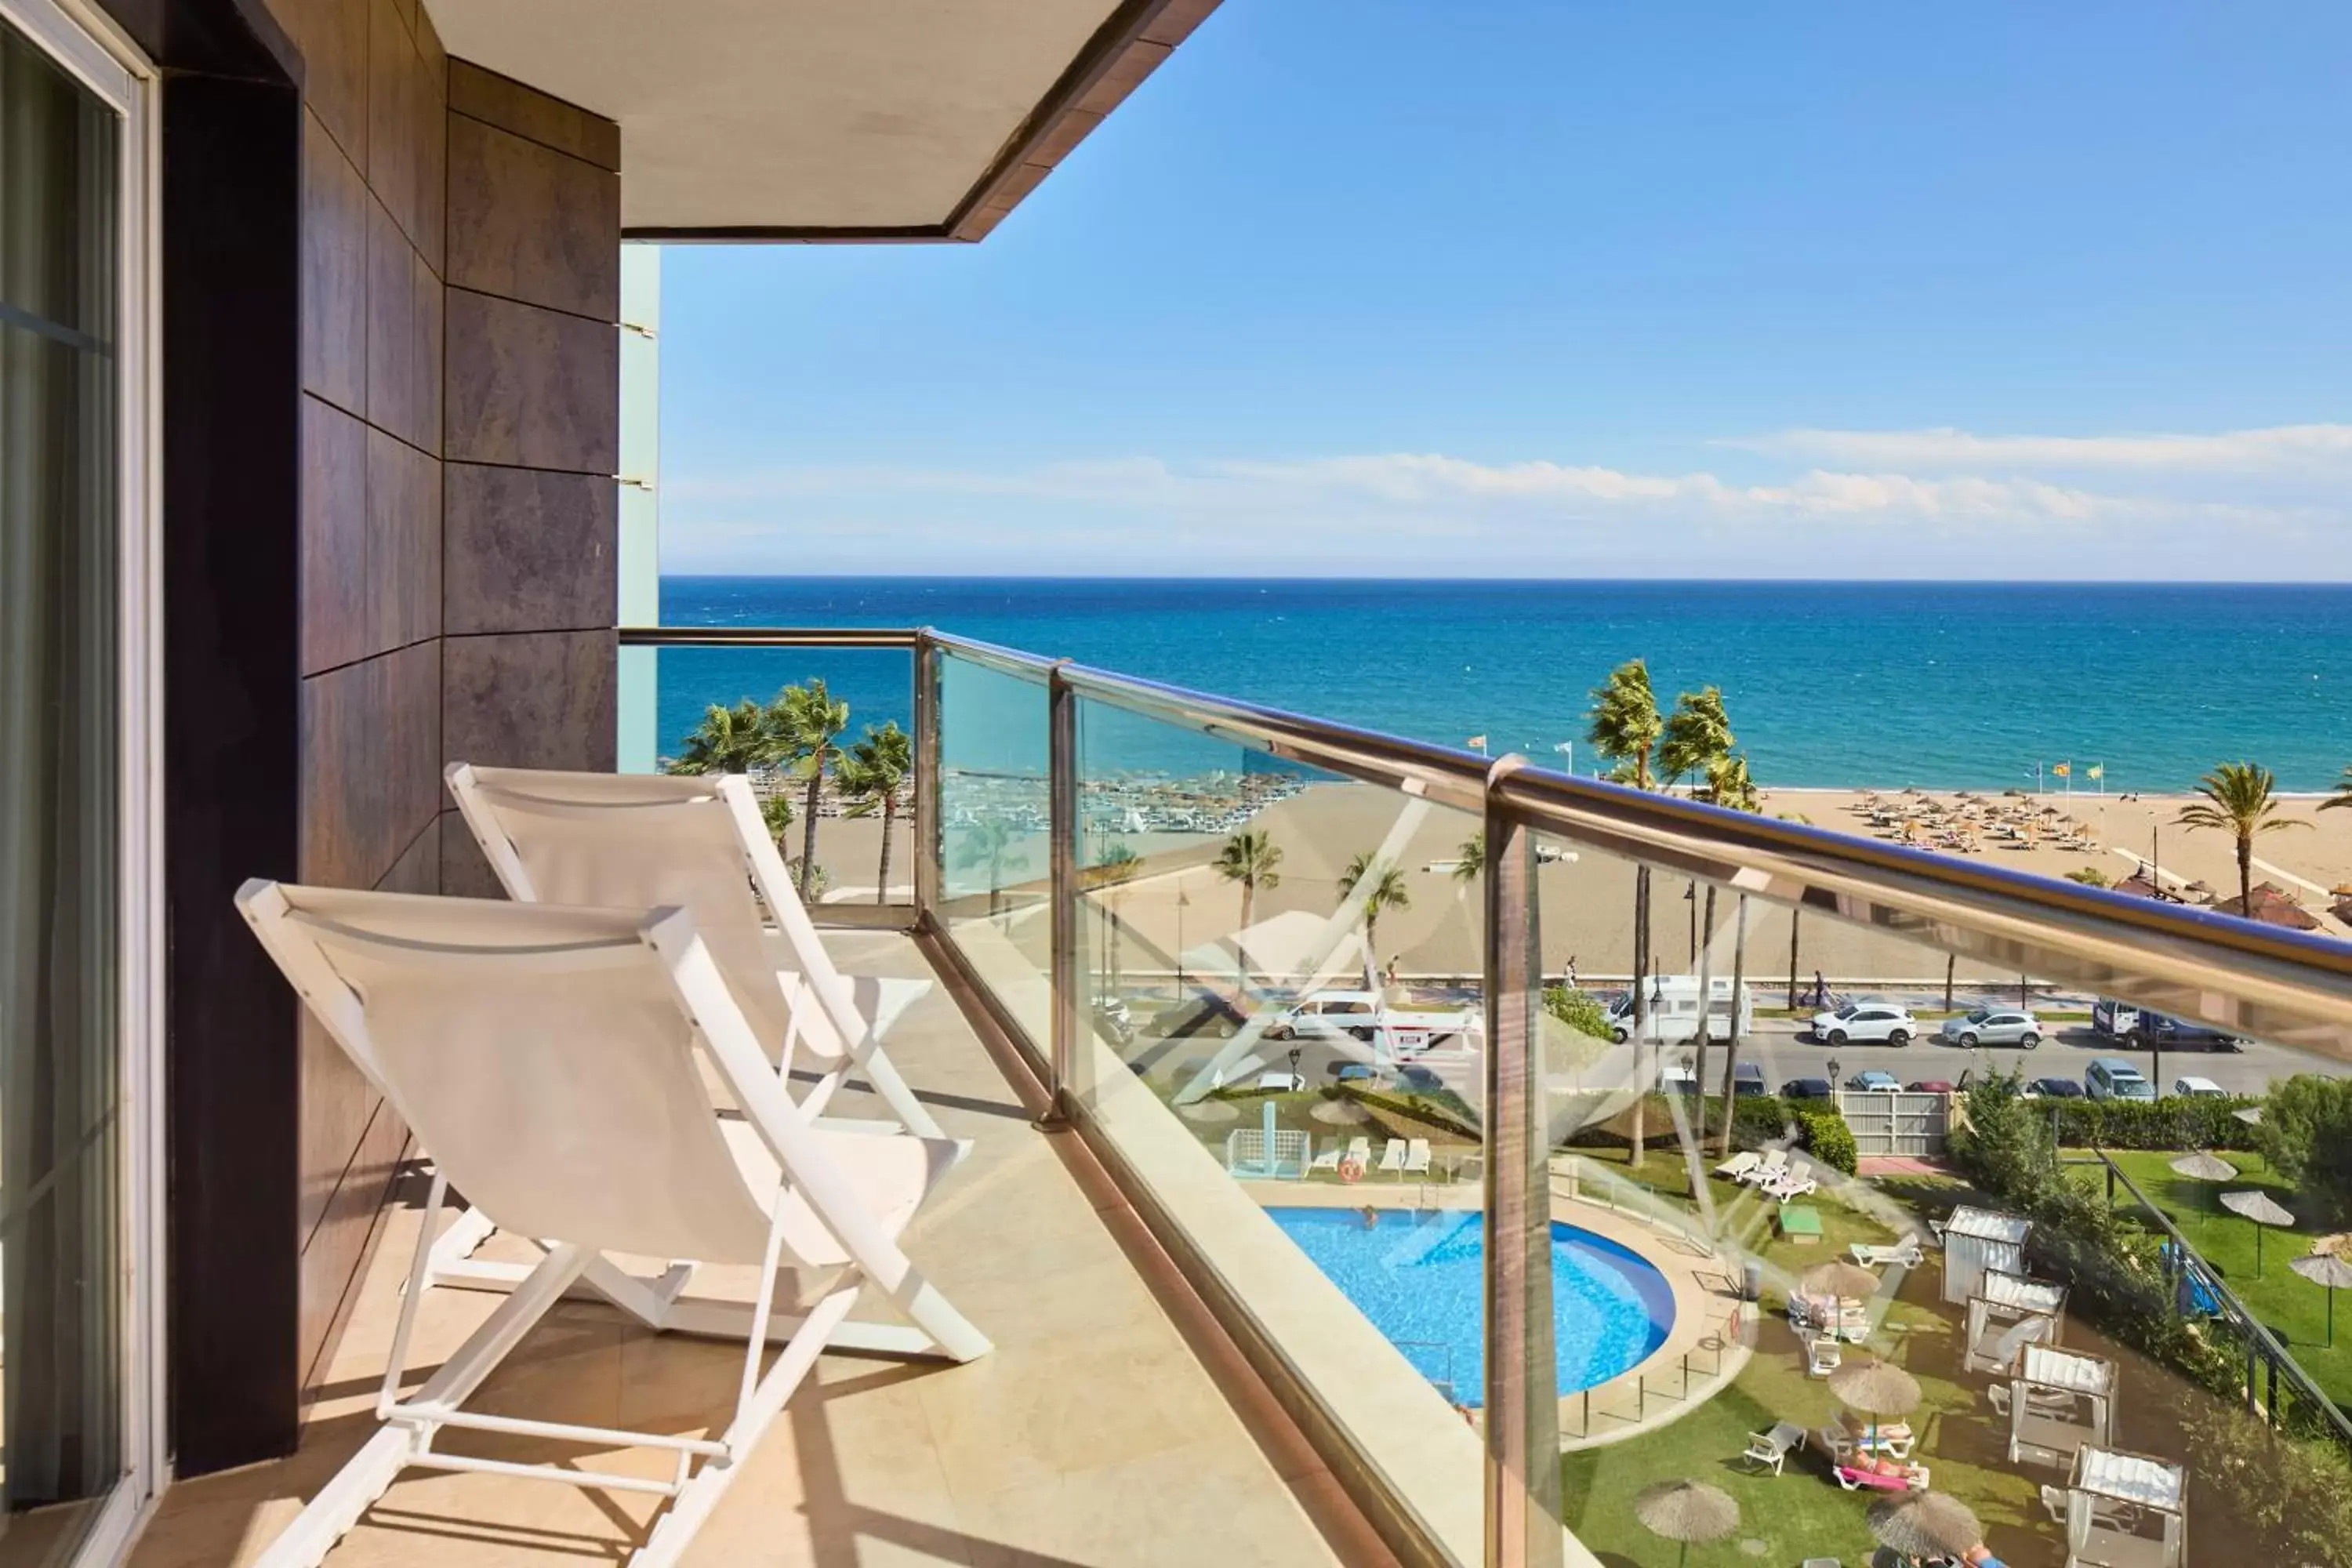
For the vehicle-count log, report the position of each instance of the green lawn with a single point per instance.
(1802, 1513)
(2289, 1305)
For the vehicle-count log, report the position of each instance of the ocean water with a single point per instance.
(1422, 1282)
(1944, 686)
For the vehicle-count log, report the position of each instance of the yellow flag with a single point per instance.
(2060, 769)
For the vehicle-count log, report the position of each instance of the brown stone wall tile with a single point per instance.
(433, 84)
(404, 336)
(526, 550)
(538, 700)
(532, 223)
(464, 874)
(333, 37)
(348, 1221)
(412, 745)
(333, 544)
(426, 345)
(526, 111)
(334, 271)
(408, 11)
(395, 107)
(345, 792)
(531, 387)
(403, 545)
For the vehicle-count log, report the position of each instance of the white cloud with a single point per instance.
(2284, 446)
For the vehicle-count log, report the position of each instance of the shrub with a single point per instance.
(2306, 1133)
(2294, 1498)
(1579, 1010)
(2177, 1122)
(2089, 875)
(1827, 1137)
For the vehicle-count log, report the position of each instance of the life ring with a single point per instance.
(1351, 1171)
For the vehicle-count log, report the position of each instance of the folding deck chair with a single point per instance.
(643, 841)
(546, 1059)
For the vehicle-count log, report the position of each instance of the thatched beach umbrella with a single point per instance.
(1340, 1114)
(1926, 1524)
(1840, 1281)
(1876, 1388)
(1210, 1110)
(2252, 1115)
(2257, 1208)
(1686, 1512)
(2203, 1167)
(2327, 1270)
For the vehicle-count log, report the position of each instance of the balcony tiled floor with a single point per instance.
(1095, 1434)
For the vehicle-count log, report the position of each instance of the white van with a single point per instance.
(1673, 1010)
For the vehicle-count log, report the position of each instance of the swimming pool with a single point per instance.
(1422, 1282)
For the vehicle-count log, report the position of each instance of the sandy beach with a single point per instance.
(1177, 904)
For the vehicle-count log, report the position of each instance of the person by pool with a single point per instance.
(1371, 1217)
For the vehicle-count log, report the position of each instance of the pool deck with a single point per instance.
(1703, 1350)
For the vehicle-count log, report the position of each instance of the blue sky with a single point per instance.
(1390, 287)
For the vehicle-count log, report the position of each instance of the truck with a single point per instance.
(2143, 1028)
(1673, 1010)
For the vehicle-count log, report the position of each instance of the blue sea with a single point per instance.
(1831, 684)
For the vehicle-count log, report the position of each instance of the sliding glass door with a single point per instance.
(75, 1345)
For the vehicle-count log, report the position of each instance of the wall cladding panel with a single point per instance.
(529, 550)
(529, 387)
(529, 222)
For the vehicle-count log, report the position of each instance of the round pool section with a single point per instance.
(1422, 1282)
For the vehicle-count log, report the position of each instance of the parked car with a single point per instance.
(1419, 1078)
(1748, 1082)
(1875, 1080)
(2052, 1089)
(2198, 1089)
(1866, 1021)
(1202, 1013)
(1930, 1086)
(2112, 1078)
(1355, 1072)
(1992, 1027)
(1806, 1088)
(1328, 1015)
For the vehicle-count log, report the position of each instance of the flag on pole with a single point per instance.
(2060, 769)
(2095, 771)
(1476, 742)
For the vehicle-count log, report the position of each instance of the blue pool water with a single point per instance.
(1422, 1284)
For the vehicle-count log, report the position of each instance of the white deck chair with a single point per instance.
(1739, 1165)
(637, 841)
(1392, 1156)
(1328, 1160)
(1416, 1157)
(1359, 1153)
(1906, 1252)
(545, 1058)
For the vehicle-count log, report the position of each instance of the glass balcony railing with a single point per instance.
(1598, 1175)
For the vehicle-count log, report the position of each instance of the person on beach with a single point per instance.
(1572, 986)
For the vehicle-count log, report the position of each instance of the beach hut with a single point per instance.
(1976, 1240)
(2126, 1510)
(2009, 1312)
(2060, 1402)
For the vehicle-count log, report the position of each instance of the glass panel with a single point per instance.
(61, 1328)
(1280, 968)
(995, 860)
(827, 735)
(1702, 1317)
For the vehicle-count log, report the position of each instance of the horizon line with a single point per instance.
(1426, 581)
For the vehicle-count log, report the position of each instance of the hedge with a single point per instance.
(2179, 1121)
(1827, 1137)
(1756, 1120)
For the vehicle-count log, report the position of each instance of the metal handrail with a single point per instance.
(2260, 980)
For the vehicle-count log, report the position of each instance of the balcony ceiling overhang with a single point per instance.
(828, 120)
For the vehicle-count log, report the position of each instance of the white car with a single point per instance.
(2200, 1089)
(1868, 1022)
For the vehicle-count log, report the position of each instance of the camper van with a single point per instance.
(1673, 1010)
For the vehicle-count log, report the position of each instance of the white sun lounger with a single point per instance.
(1359, 1153)
(1739, 1165)
(1416, 1157)
(1392, 1156)
(639, 841)
(545, 1058)
(1774, 1161)
(1789, 1184)
(1328, 1160)
(1906, 1252)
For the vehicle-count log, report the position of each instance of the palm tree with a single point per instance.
(1384, 890)
(1470, 858)
(729, 741)
(1252, 858)
(777, 813)
(1116, 868)
(987, 842)
(1728, 784)
(2240, 800)
(2341, 794)
(805, 721)
(872, 774)
(1696, 735)
(1623, 726)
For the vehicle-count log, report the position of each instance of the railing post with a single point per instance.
(1522, 1502)
(1062, 819)
(929, 848)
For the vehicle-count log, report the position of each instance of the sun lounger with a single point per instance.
(1823, 1355)
(1416, 1157)
(1771, 1449)
(1789, 1186)
(1328, 1160)
(1914, 1478)
(1392, 1156)
(546, 1060)
(1739, 1165)
(640, 842)
(1359, 1153)
(1906, 1252)
(1774, 1161)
